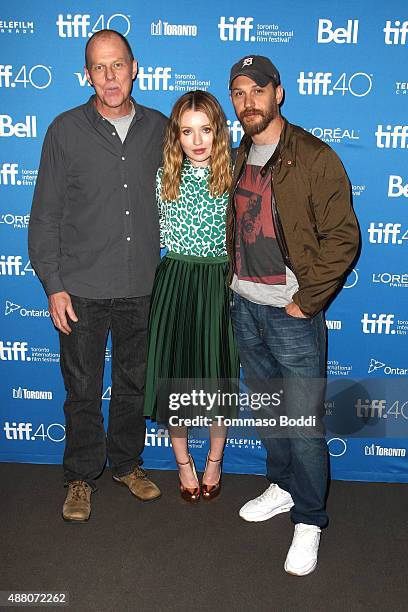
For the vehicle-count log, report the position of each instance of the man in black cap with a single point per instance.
(291, 236)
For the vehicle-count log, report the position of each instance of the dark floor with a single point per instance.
(170, 555)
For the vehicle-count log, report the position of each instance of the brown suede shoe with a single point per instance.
(139, 485)
(77, 506)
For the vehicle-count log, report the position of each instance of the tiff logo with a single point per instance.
(326, 33)
(396, 188)
(378, 324)
(8, 173)
(154, 80)
(396, 34)
(392, 137)
(236, 131)
(14, 351)
(18, 431)
(79, 26)
(315, 83)
(11, 266)
(235, 28)
(385, 234)
(73, 26)
(370, 408)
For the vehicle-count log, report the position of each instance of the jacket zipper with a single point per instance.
(279, 233)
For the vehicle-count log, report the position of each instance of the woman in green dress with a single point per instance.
(190, 332)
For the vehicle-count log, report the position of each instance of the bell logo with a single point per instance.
(235, 28)
(378, 324)
(27, 129)
(396, 189)
(348, 35)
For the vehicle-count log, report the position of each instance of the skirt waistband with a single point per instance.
(195, 259)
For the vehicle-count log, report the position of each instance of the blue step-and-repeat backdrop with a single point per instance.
(344, 69)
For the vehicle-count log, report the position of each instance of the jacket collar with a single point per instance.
(286, 147)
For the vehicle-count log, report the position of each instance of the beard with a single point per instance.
(256, 127)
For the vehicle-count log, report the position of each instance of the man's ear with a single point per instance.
(88, 76)
(134, 69)
(279, 94)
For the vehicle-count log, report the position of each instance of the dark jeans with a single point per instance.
(271, 345)
(82, 363)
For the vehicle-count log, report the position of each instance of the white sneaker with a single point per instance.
(273, 501)
(302, 555)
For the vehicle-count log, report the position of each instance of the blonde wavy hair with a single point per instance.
(173, 155)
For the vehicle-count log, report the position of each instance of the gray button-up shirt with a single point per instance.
(94, 229)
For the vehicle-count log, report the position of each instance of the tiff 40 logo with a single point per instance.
(80, 26)
(37, 76)
(358, 84)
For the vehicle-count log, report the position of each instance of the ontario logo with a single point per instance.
(376, 366)
(11, 307)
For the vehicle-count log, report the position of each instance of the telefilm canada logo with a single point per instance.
(327, 33)
(244, 29)
(358, 84)
(164, 28)
(16, 27)
(84, 25)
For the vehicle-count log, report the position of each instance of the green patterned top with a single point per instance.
(195, 223)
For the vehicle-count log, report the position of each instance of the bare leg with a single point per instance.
(178, 437)
(218, 434)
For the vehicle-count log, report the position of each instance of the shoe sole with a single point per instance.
(265, 517)
(292, 573)
(75, 521)
(152, 499)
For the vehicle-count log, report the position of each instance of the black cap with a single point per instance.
(258, 68)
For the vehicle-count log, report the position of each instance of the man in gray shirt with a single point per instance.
(94, 243)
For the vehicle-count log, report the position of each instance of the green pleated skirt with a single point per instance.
(190, 330)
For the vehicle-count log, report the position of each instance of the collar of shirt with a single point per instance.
(96, 118)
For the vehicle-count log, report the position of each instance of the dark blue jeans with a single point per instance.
(82, 363)
(273, 345)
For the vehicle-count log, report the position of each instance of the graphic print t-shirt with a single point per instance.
(261, 275)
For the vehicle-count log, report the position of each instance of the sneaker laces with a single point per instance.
(139, 472)
(272, 492)
(303, 537)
